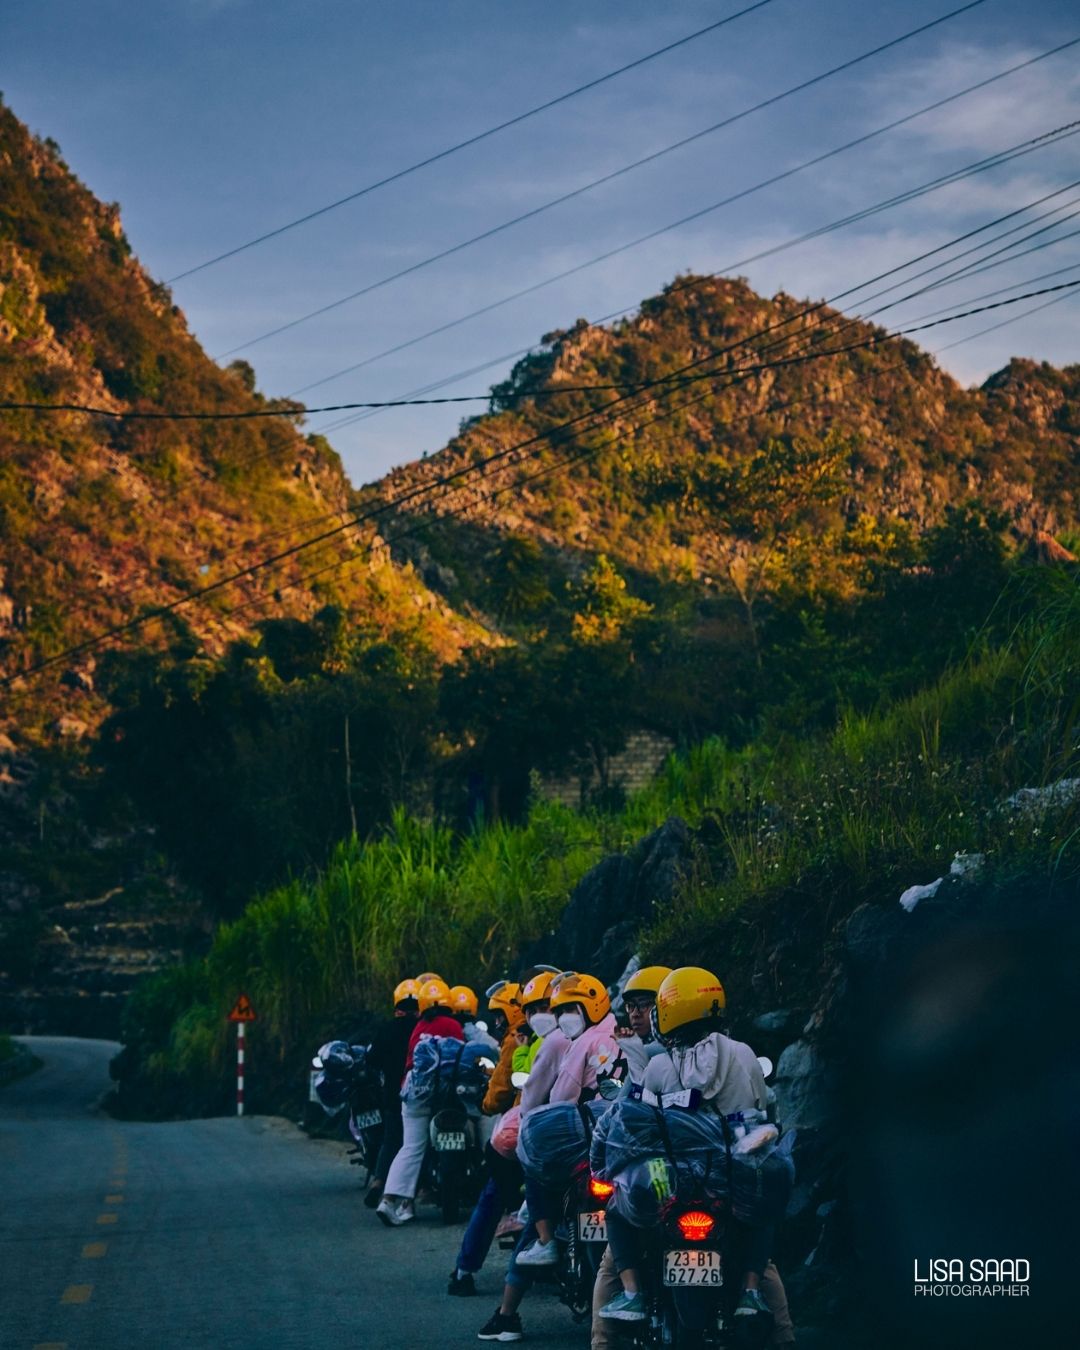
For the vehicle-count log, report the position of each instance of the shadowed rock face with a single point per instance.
(611, 903)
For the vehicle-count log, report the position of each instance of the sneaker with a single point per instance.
(501, 1327)
(461, 1286)
(626, 1307)
(751, 1304)
(394, 1212)
(539, 1254)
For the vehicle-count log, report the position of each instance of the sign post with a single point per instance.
(241, 1014)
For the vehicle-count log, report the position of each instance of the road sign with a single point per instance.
(242, 1010)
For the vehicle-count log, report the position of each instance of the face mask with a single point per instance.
(543, 1023)
(571, 1024)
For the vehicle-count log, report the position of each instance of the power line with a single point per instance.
(597, 182)
(933, 185)
(1001, 157)
(589, 453)
(444, 480)
(464, 144)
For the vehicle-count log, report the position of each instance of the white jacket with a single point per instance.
(725, 1072)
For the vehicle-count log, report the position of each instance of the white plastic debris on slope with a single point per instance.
(967, 866)
(1034, 801)
(914, 894)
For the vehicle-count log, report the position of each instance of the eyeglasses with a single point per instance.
(638, 1004)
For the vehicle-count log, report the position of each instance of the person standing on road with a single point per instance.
(398, 1203)
(502, 1187)
(567, 1072)
(639, 999)
(389, 1047)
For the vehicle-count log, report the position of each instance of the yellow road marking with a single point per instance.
(107, 1218)
(95, 1249)
(76, 1293)
(114, 1199)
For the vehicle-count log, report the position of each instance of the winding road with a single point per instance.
(235, 1234)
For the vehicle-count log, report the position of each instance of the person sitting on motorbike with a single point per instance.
(502, 1191)
(639, 999)
(399, 1192)
(687, 1019)
(565, 1070)
(389, 1047)
(466, 1008)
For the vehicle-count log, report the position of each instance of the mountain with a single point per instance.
(102, 519)
(659, 496)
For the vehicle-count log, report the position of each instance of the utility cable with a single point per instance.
(444, 480)
(464, 144)
(533, 212)
(933, 185)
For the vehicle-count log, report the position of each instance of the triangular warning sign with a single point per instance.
(242, 1010)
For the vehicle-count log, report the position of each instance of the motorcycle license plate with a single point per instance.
(367, 1119)
(694, 1268)
(592, 1226)
(450, 1141)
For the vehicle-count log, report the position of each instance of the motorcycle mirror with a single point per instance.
(518, 1079)
(609, 1089)
(766, 1065)
(316, 1063)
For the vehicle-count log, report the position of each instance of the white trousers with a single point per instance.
(405, 1169)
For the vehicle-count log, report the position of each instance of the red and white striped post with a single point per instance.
(241, 1014)
(240, 1068)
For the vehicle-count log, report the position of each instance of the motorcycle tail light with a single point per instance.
(602, 1190)
(695, 1225)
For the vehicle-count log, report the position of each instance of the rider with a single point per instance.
(639, 999)
(565, 1070)
(397, 1205)
(466, 1008)
(389, 1047)
(687, 1020)
(502, 1191)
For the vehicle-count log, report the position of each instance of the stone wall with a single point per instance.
(632, 769)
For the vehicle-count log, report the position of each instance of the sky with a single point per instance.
(214, 121)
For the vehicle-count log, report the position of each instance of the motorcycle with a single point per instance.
(454, 1160)
(346, 1081)
(584, 1227)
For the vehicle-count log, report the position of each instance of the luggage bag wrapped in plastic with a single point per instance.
(554, 1140)
(443, 1065)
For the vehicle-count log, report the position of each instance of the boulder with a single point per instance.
(610, 904)
(803, 1087)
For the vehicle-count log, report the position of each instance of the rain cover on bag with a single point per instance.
(441, 1063)
(554, 1139)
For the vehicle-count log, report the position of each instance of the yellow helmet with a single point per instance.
(585, 990)
(504, 996)
(433, 993)
(463, 1000)
(647, 980)
(689, 994)
(428, 975)
(406, 989)
(539, 987)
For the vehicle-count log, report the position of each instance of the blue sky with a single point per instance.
(211, 121)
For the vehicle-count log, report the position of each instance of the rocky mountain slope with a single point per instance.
(900, 439)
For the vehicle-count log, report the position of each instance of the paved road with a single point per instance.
(230, 1234)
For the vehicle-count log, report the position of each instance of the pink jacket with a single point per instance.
(577, 1072)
